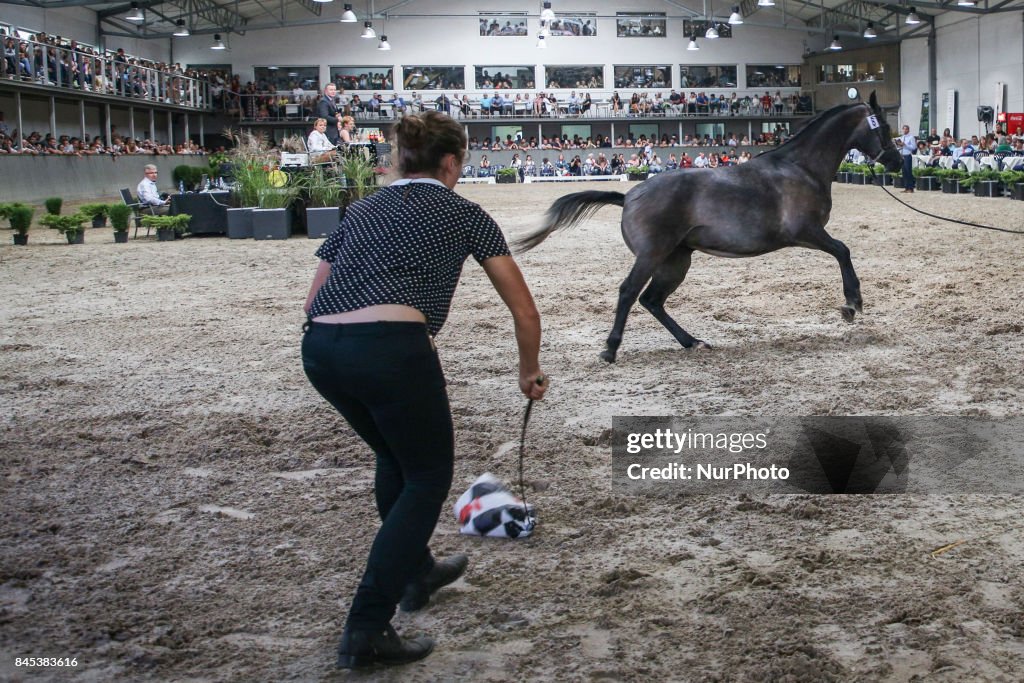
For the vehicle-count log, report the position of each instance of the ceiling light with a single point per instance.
(693, 44)
(368, 31)
(181, 31)
(547, 14)
(735, 18)
(348, 16)
(271, 68)
(836, 45)
(323, 0)
(912, 18)
(542, 43)
(766, 3)
(544, 30)
(218, 44)
(384, 44)
(967, 3)
(711, 33)
(135, 14)
(869, 32)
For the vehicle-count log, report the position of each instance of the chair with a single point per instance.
(137, 208)
(468, 171)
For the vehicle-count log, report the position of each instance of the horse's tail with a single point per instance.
(566, 212)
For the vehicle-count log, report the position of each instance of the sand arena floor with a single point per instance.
(178, 503)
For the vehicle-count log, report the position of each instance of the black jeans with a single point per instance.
(386, 380)
(908, 172)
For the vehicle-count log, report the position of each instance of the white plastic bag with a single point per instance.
(488, 508)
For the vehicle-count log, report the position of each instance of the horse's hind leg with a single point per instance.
(851, 285)
(629, 290)
(666, 279)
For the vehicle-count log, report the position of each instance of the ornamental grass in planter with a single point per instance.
(1014, 182)
(360, 176)
(325, 195)
(167, 227)
(20, 216)
(72, 226)
(506, 175)
(97, 212)
(53, 205)
(120, 218)
(637, 172)
(926, 179)
(950, 179)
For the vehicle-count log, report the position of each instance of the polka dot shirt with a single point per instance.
(405, 244)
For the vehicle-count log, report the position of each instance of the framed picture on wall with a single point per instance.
(577, 24)
(503, 24)
(640, 24)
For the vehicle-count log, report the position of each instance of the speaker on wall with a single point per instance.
(985, 114)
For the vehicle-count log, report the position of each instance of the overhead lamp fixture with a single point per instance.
(323, 0)
(912, 18)
(181, 31)
(711, 33)
(766, 3)
(693, 44)
(836, 45)
(547, 14)
(735, 18)
(271, 68)
(368, 31)
(218, 44)
(384, 44)
(135, 14)
(967, 3)
(348, 16)
(544, 30)
(542, 43)
(869, 32)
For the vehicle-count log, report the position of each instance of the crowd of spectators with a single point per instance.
(999, 144)
(645, 160)
(35, 144)
(564, 142)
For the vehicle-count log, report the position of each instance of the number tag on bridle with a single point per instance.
(873, 122)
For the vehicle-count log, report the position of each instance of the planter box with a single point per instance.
(883, 179)
(857, 178)
(271, 224)
(239, 224)
(21, 240)
(928, 184)
(1017, 191)
(121, 237)
(165, 234)
(321, 222)
(99, 222)
(842, 177)
(504, 178)
(988, 188)
(897, 181)
(953, 186)
(637, 176)
(77, 237)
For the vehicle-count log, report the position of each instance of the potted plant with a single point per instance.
(926, 180)
(167, 227)
(987, 184)
(120, 218)
(73, 226)
(506, 175)
(859, 174)
(950, 179)
(1014, 182)
(250, 163)
(637, 172)
(360, 176)
(881, 177)
(97, 212)
(7, 208)
(273, 219)
(20, 216)
(845, 169)
(53, 205)
(325, 195)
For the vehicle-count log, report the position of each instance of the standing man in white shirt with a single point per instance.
(908, 148)
(149, 195)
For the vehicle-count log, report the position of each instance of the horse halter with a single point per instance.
(875, 124)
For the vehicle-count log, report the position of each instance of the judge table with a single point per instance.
(209, 211)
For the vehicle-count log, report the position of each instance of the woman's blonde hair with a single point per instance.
(319, 121)
(345, 120)
(424, 139)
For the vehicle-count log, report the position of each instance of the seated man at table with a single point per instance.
(149, 195)
(964, 150)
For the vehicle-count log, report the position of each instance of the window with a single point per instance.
(363, 77)
(643, 76)
(503, 24)
(433, 78)
(574, 77)
(692, 27)
(849, 73)
(220, 71)
(571, 131)
(712, 130)
(640, 24)
(287, 77)
(574, 24)
(504, 132)
(504, 77)
(773, 76)
(707, 76)
(648, 130)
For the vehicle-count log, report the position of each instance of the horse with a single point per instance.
(780, 198)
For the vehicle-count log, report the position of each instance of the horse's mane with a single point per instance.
(813, 123)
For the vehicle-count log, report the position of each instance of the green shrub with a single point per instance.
(925, 172)
(53, 205)
(178, 223)
(66, 224)
(182, 174)
(1008, 177)
(95, 210)
(637, 170)
(120, 215)
(508, 172)
(21, 218)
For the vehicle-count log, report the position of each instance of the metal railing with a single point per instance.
(106, 73)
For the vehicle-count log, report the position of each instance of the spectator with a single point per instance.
(149, 195)
(318, 145)
(328, 111)
(908, 146)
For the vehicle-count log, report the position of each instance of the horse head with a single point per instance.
(874, 138)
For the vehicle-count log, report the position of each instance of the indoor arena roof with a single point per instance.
(240, 16)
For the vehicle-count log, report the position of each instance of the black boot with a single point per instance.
(359, 648)
(417, 593)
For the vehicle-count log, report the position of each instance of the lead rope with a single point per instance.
(522, 447)
(941, 218)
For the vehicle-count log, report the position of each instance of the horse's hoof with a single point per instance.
(859, 306)
(848, 313)
(608, 356)
(700, 345)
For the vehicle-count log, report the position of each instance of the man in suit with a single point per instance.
(326, 109)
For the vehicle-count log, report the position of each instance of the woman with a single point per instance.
(616, 103)
(318, 145)
(347, 132)
(382, 289)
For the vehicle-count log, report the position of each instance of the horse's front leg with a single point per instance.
(851, 285)
(629, 290)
